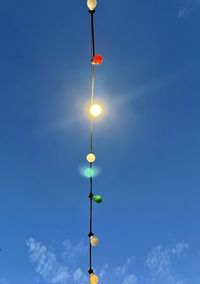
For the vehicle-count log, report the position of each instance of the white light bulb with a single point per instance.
(94, 241)
(91, 158)
(91, 4)
(95, 110)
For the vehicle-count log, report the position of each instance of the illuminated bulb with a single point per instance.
(97, 59)
(93, 278)
(91, 158)
(91, 4)
(89, 172)
(94, 241)
(95, 110)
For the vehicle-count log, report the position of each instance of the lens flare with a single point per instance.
(95, 110)
(88, 172)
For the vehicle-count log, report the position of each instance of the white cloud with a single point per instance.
(73, 252)
(119, 274)
(46, 263)
(103, 271)
(51, 269)
(130, 279)
(122, 270)
(79, 277)
(158, 261)
(188, 6)
(184, 11)
(179, 249)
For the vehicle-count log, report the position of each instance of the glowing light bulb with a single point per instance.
(91, 158)
(95, 110)
(89, 172)
(97, 59)
(94, 241)
(91, 4)
(93, 278)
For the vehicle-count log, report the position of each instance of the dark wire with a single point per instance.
(92, 32)
(91, 133)
(90, 270)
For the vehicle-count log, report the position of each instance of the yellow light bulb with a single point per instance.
(91, 4)
(93, 278)
(91, 158)
(95, 110)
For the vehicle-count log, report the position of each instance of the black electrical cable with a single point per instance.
(92, 32)
(91, 137)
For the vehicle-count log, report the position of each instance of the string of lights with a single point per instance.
(95, 110)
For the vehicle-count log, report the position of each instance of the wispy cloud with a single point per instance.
(159, 264)
(52, 270)
(184, 11)
(122, 270)
(159, 261)
(130, 279)
(46, 263)
(188, 6)
(79, 277)
(103, 271)
(180, 248)
(71, 253)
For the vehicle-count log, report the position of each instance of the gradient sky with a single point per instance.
(147, 146)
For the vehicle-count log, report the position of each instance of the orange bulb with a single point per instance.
(93, 278)
(97, 59)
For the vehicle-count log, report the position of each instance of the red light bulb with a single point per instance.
(97, 59)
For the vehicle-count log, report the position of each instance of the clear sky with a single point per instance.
(147, 146)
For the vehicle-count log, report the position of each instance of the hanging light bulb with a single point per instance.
(89, 172)
(93, 278)
(91, 4)
(94, 241)
(91, 158)
(97, 198)
(95, 110)
(97, 59)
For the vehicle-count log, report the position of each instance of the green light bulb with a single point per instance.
(98, 199)
(89, 172)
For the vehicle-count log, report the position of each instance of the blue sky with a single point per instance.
(147, 146)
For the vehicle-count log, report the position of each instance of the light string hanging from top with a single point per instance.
(94, 110)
